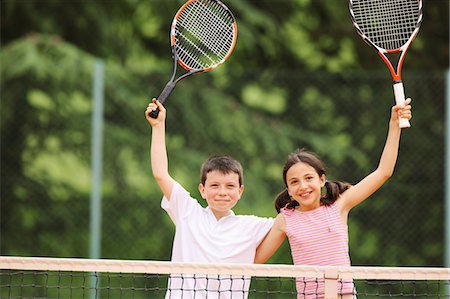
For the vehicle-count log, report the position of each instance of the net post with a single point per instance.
(96, 152)
(331, 285)
(447, 179)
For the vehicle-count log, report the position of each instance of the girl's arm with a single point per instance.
(376, 179)
(272, 241)
(158, 152)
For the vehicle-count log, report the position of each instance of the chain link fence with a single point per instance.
(264, 115)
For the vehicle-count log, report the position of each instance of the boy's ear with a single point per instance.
(201, 188)
(241, 190)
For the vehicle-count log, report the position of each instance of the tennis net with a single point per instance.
(37, 277)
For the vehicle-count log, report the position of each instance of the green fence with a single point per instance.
(258, 116)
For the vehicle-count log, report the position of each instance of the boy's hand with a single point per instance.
(155, 104)
(401, 111)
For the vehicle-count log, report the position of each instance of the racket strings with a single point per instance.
(204, 34)
(201, 41)
(387, 23)
(200, 37)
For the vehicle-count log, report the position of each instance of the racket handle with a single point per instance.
(162, 98)
(399, 93)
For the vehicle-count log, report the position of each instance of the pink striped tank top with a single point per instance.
(319, 238)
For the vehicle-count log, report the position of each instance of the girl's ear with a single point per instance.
(323, 179)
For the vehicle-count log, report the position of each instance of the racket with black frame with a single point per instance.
(202, 36)
(389, 26)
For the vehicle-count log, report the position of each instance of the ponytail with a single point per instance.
(283, 200)
(333, 190)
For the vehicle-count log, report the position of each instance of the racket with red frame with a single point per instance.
(202, 36)
(389, 26)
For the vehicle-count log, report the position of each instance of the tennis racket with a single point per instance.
(389, 26)
(202, 36)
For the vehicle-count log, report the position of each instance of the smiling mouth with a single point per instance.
(305, 194)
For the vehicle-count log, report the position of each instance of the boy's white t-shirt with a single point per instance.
(201, 238)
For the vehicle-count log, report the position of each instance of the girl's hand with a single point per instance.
(155, 104)
(399, 111)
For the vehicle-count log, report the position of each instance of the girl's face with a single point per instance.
(304, 185)
(221, 191)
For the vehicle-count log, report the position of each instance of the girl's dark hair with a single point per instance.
(333, 189)
(224, 164)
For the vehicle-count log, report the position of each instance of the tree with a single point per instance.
(286, 85)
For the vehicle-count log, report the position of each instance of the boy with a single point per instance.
(206, 235)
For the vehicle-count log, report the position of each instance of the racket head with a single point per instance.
(387, 25)
(203, 35)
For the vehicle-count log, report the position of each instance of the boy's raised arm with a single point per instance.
(158, 152)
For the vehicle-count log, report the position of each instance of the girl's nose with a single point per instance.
(301, 185)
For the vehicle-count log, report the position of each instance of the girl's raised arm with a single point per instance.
(385, 169)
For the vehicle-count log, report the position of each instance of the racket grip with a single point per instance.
(154, 113)
(163, 97)
(166, 92)
(399, 94)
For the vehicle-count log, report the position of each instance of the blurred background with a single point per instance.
(298, 77)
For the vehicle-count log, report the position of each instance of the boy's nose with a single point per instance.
(222, 190)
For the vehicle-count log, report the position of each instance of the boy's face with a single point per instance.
(221, 191)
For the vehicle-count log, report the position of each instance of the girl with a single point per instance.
(316, 225)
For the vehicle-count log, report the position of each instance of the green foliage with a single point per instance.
(285, 86)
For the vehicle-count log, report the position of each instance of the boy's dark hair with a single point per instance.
(333, 189)
(224, 164)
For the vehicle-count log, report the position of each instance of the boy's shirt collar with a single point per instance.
(213, 217)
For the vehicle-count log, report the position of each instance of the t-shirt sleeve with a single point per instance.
(262, 227)
(180, 204)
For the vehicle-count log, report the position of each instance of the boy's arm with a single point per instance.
(158, 152)
(272, 241)
(385, 169)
